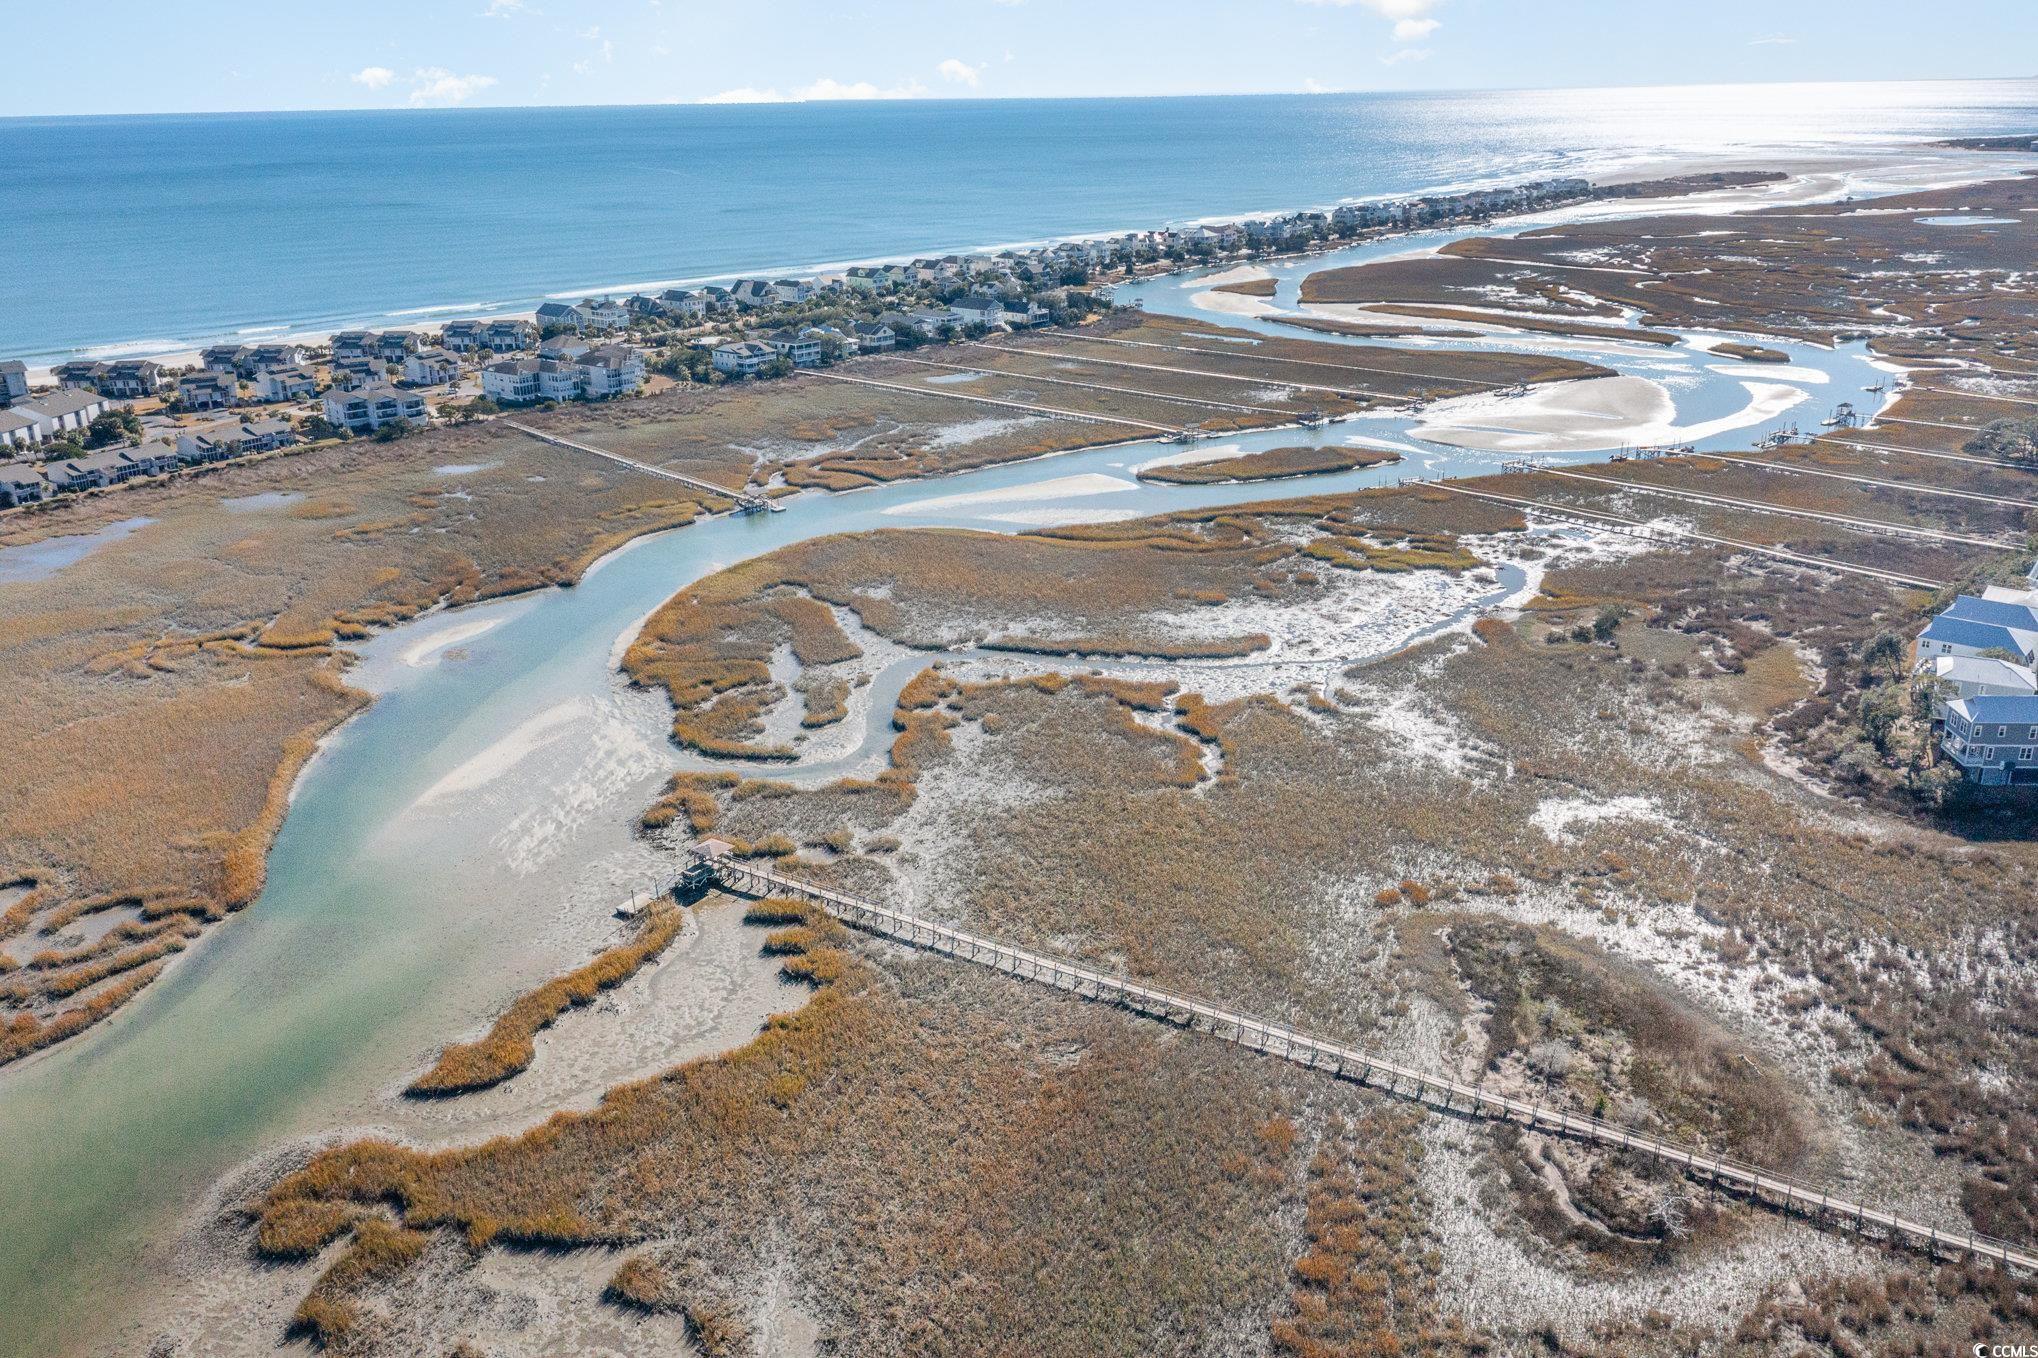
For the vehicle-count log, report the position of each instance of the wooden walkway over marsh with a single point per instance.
(746, 501)
(1764, 1187)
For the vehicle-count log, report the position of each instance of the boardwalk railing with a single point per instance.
(1764, 1187)
(747, 501)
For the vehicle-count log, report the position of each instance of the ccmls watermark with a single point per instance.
(2006, 1351)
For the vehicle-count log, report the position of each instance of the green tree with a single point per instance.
(2013, 439)
(115, 426)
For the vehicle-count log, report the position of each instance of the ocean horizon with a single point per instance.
(175, 230)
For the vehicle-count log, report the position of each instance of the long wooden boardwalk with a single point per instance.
(744, 500)
(1759, 1185)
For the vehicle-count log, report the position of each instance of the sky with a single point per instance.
(144, 56)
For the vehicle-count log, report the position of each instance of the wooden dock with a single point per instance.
(1763, 1187)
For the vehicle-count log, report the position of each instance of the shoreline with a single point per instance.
(1802, 170)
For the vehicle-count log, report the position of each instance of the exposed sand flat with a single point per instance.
(1233, 304)
(1769, 372)
(548, 727)
(1601, 412)
(428, 650)
(1061, 488)
(1244, 273)
(1189, 457)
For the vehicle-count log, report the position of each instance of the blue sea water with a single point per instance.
(140, 234)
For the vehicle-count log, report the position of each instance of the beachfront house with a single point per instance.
(13, 381)
(80, 372)
(431, 368)
(267, 357)
(367, 409)
(224, 358)
(287, 384)
(130, 378)
(208, 390)
(682, 305)
(1993, 739)
(865, 278)
(741, 359)
(804, 351)
(509, 336)
(462, 337)
(22, 483)
(352, 343)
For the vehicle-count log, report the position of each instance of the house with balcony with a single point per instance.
(367, 409)
(609, 370)
(130, 378)
(1974, 676)
(511, 381)
(682, 305)
(264, 436)
(13, 381)
(1975, 625)
(224, 358)
(210, 443)
(462, 337)
(92, 471)
(803, 350)
(22, 483)
(208, 390)
(742, 358)
(1993, 738)
(49, 415)
(431, 368)
(153, 458)
(287, 384)
(352, 343)
(873, 337)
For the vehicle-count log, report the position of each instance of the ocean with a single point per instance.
(129, 235)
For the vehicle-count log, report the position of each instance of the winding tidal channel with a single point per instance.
(450, 846)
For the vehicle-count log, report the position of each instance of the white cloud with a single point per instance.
(1411, 17)
(1311, 85)
(957, 72)
(1772, 40)
(502, 9)
(1386, 9)
(823, 90)
(374, 77)
(1405, 54)
(437, 85)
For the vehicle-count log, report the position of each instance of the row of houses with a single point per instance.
(568, 372)
(24, 483)
(40, 417)
(251, 361)
(498, 337)
(126, 379)
(1981, 656)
